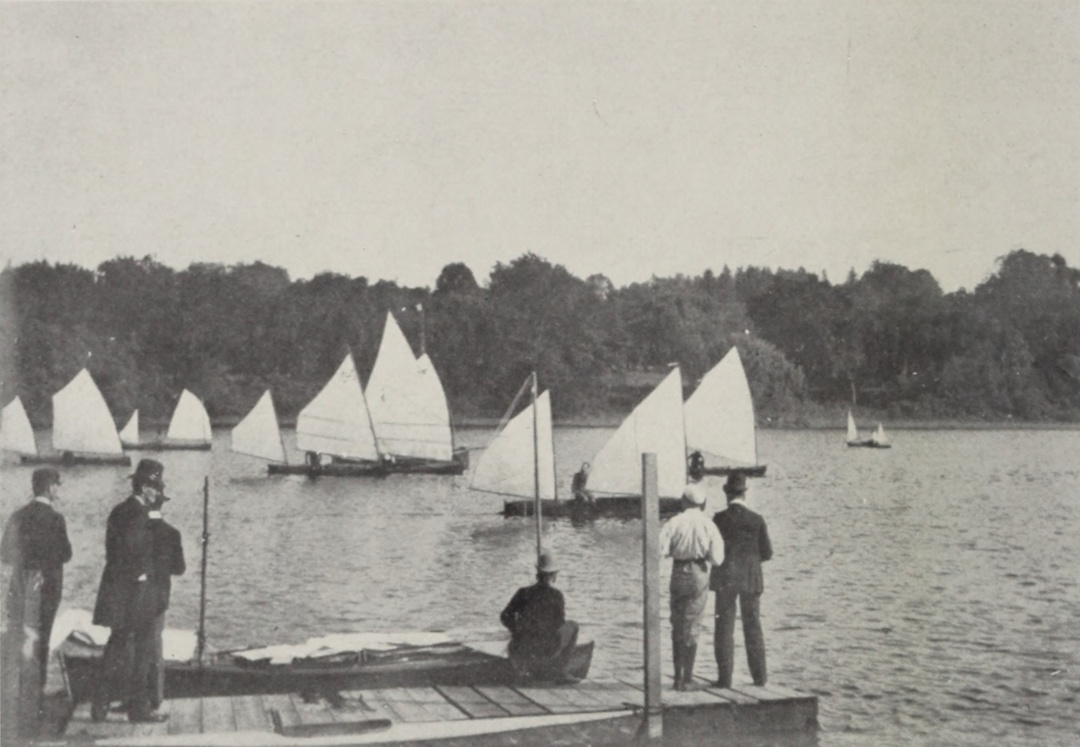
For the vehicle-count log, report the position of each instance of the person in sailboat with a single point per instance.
(168, 561)
(579, 486)
(695, 466)
(125, 600)
(35, 545)
(542, 639)
(695, 546)
(739, 579)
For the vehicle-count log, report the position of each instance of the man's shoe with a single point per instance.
(148, 718)
(722, 685)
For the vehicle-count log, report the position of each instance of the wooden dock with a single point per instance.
(592, 712)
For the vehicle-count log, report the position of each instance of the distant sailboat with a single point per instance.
(877, 440)
(258, 433)
(129, 434)
(83, 431)
(720, 422)
(189, 428)
(516, 461)
(16, 433)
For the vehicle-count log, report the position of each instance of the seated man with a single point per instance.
(579, 486)
(542, 639)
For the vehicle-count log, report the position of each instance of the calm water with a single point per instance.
(928, 594)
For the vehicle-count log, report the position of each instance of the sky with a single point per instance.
(632, 139)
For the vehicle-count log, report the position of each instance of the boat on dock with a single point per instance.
(720, 422)
(83, 431)
(189, 429)
(876, 440)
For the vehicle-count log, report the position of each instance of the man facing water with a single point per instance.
(542, 639)
(168, 562)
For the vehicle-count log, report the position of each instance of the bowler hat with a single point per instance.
(736, 484)
(148, 472)
(43, 479)
(546, 563)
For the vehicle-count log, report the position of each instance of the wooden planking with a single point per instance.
(250, 714)
(284, 706)
(313, 713)
(185, 716)
(512, 701)
(355, 700)
(154, 730)
(614, 695)
(433, 704)
(376, 699)
(760, 693)
(733, 696)
(115, 724)
(787, 692)
(402, 701)
(471, 702)
(559, 700)
(217, 715)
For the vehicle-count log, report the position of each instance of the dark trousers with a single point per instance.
(125, 669)
(551, 665)
(156, 670)
(724, 640)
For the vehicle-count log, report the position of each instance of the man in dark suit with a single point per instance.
(542, 640)
(125, 600)
(168, 562)
(739, 578)
(35, 544)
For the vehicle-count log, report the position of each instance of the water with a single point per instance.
(929, 594)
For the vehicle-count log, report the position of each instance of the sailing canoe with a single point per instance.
(16, 433)
(258, 433)
(720, 422)
(83, 430)
(515, 459)
(189, 428)
(129, 434)
(878, 440)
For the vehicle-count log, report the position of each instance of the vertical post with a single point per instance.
(201, 640)
(423, 333)
(650, 522)
(536, 468)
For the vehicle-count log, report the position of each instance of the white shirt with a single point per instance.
(692, 536)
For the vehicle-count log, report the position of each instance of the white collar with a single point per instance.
(154, 514)
(44, 499)
(741, 500)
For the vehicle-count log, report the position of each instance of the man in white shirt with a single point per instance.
(695, 545)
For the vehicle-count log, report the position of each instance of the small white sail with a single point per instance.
(336, 422)
(720, 416)
(656, 425)
(258, 433)
(16, 433)
(190, 421)
(852, 431)
(129, 434)
(437, 412)
(407, 411)
(82, 422)
(879, 436)
(507, 465)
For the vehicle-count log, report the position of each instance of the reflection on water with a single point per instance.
(928, 594)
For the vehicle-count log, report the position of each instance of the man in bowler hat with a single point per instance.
(739, 579)
(542, 639)
(168, 562)
(126, 601)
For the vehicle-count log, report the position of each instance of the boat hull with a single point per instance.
(456, 466)
(68, 458)
(624, 506)
(758, 471)
(869, 444)
(169, 446)
(226, 677)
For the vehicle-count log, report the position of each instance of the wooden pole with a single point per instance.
(201, 640)
(650, 522)
(536, 469)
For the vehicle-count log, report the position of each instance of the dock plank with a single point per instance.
(250, 714)
(761, 693)
(185, 716)
(431, 704)
(404, 703)
(313, 712)
(558, 700)
(471, 702)
(615, 695)
(787, 692)
(376, 699)
(81, 725)
(512, 701)
(217, 715)
(733, 696)
(283, 705)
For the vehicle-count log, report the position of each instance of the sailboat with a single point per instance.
(877, 440)
(189, 428)
(83, 431)
(129, 434)
(408, 409)
(16, 433)
(258, 433)
(720, 424)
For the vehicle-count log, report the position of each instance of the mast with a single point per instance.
(536, 466)
(423, 335)
(201, 640)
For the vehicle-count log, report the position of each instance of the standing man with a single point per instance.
(168, 562)
(36, 546)
(695, 545)
(125, 600)
(541, 638)
(746, 547)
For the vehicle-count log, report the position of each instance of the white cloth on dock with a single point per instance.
(177, 645)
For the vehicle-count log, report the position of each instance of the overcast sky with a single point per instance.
(388, 139)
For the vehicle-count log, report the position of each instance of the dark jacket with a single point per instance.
(168, 561)
(36, 539)
(534, 617)
(122, 600)
(746, 546)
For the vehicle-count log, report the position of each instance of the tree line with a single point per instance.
(889, 340)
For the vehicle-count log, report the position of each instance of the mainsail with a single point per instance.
(258, 433)
(720, 416)
(509, 462)
(879, 436)
(82, 422)
(657, 426)
(16, 433)
(129, 434)
(852, 431)
(408, 408)
(189, 421)
(336, 422)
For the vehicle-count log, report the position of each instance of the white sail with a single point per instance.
(408, 412)
(129, 434)
(879, 436)
(16, 433)
(852, 431)
(82, 422)
(189, 421)
(336, 422)
(656, 425)
(720, 416)
(258, 433)
(507, 465)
